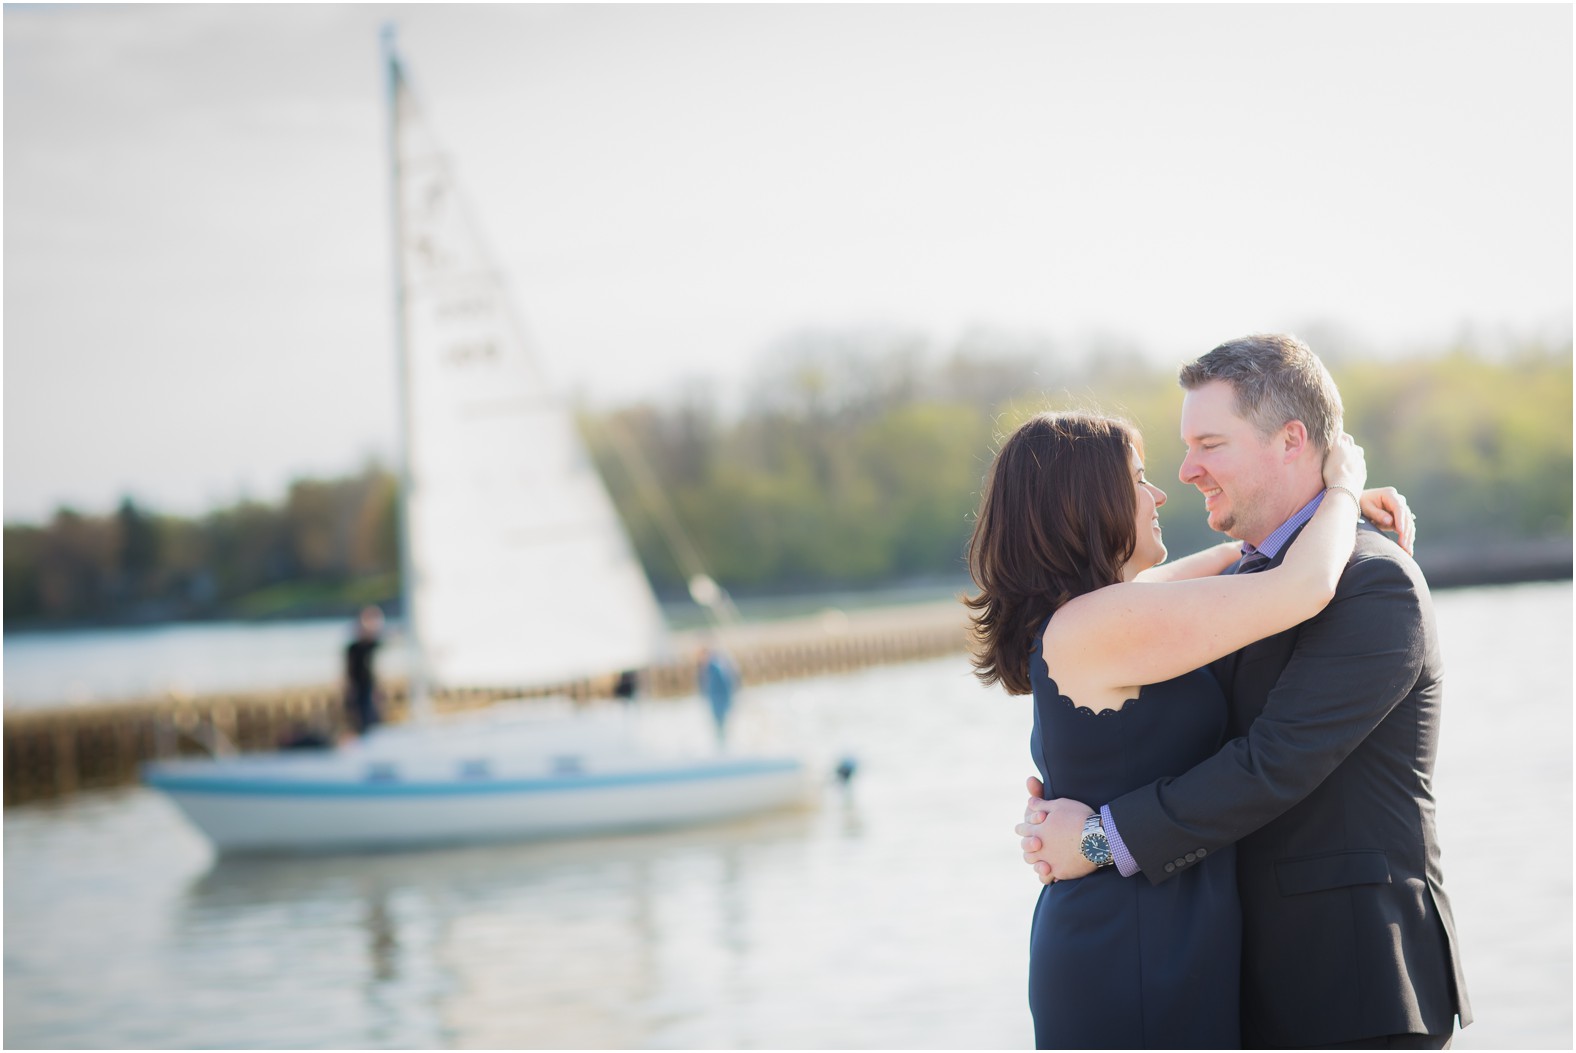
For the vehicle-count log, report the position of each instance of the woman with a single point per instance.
(1065, 550)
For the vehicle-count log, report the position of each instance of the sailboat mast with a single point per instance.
(419, 692)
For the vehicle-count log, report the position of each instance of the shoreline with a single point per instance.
(57, 751)
(1463, 566)
(1454, 565)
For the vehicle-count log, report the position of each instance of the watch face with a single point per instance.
(1096, 849)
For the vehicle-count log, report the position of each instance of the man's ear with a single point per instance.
(1294, 436)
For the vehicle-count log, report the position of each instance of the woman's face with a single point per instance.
(1150, 549)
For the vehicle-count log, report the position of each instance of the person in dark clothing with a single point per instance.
(361, 708)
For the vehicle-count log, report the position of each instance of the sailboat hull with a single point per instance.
(406, 790)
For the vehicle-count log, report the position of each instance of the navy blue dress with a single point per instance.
(1117, 962)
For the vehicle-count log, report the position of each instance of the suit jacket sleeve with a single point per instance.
(1352, 663)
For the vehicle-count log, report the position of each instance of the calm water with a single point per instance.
(82, 667)
(893, 915)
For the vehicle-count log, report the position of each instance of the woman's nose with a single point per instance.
(1160, 495)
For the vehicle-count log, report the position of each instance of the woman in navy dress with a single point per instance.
(1075, 609)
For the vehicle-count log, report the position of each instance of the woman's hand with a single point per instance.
(1344, 465)
(1386, 508)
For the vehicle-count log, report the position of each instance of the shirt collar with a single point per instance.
(1282, 534)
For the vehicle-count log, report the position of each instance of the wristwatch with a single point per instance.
(1096, 849)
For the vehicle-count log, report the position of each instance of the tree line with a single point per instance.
(855, 461)
(327, 547)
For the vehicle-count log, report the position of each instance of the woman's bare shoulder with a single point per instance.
(1081, 615)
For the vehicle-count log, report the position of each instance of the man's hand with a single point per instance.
(1051, 833)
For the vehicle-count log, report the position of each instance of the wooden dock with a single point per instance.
(55, 752)
(58, 751)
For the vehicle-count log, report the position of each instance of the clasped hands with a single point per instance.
(1052, 832)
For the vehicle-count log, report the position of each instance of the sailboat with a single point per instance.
(516, 570)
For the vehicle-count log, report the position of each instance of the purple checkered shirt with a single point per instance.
(1270, 549)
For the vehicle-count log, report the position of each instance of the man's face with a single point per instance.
(1240, 474)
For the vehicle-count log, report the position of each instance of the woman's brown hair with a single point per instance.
(1056, 520)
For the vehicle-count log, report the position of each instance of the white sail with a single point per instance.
(517, 572)
(520, 570)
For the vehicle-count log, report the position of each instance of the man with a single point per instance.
(1326, 790)
(361, 707)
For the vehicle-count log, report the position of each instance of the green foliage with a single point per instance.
(328, 548)
(1482, 449)
(858, 468)
(849, 471)
(855, 464)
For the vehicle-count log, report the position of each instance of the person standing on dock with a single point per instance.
(718, 677)
(361, 703)
(626, 686)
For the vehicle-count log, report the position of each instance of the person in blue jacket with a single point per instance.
(717, 678)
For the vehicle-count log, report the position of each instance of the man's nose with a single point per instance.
(1189, 471)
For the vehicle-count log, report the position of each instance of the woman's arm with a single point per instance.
(1204, 564)
(1145, 632)
(1383, 506)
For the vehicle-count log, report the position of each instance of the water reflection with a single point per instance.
(895, 915)
(384, 946)
(606, 942)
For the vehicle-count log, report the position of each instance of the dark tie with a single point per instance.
(1252, 562)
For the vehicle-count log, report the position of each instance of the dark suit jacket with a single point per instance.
(1328, 794)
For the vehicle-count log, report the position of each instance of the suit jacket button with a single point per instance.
(1181, 863)
(1201, 853)
(1191, 857)
(1170, 867)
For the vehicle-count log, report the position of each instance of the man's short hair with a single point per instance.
(1277, 379)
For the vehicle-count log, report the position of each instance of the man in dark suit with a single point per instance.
(1326, 788)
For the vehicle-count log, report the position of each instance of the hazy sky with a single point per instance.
(196, 247)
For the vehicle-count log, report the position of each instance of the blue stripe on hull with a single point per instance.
(257, 787)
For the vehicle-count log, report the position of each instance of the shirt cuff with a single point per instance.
(1126, 865)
